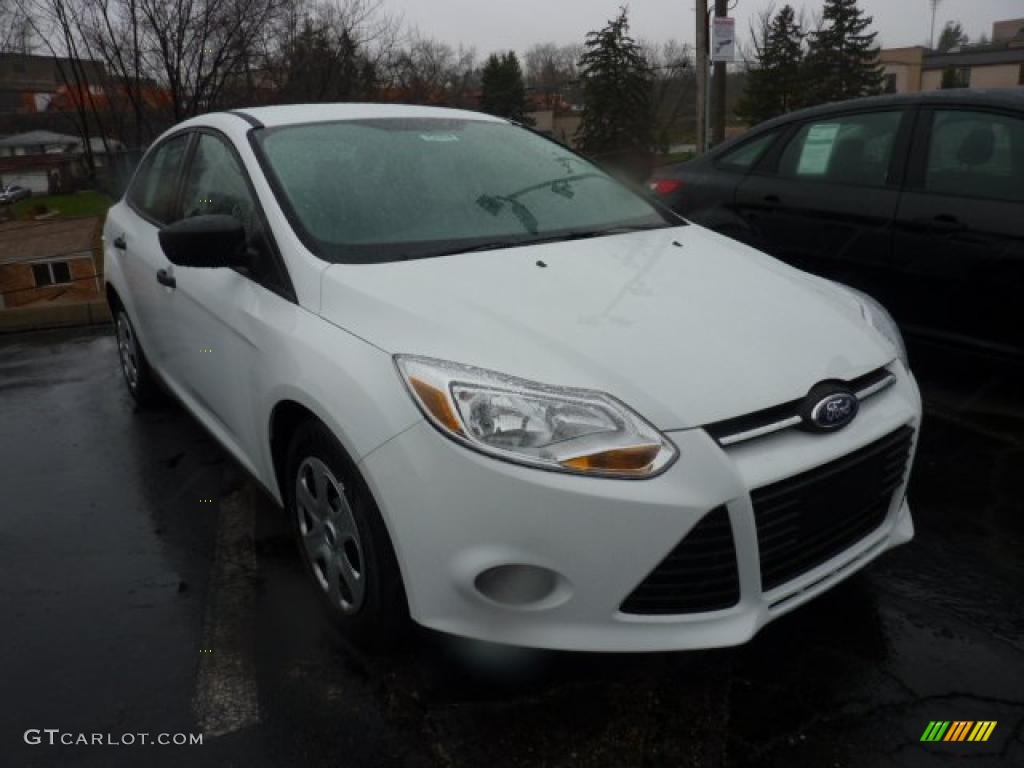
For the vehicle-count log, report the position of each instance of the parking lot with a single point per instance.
(149, 587)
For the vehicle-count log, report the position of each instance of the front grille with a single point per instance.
(805, 520)
(777, 417)
(698, 575)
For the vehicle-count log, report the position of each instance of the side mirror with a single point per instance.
(208, 241)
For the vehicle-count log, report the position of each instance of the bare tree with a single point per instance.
(550, 69)
(15, 29)
(427, 71)
(58, 24)
(673, 86)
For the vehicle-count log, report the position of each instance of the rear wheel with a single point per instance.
(138, 376)
(344, 544)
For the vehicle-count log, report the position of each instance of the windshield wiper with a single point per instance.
(583, 234)
(586, 234)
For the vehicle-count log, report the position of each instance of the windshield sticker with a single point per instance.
(817, 149)
(439, 137)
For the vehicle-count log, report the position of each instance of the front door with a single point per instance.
(224, 315)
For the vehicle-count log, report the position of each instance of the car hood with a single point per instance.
(684, 325)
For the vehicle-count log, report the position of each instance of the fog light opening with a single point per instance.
(516, 585)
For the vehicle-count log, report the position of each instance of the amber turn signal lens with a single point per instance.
(435, 401)
(635, 460)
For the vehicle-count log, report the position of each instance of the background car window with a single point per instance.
(745, 156)
(153, 191)
(976, 154)
(852, 149)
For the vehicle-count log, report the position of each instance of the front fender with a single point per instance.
(345, 382)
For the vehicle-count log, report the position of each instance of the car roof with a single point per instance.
(992, 97)
(293, 114)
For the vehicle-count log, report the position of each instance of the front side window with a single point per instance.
(848, 149)
(388, 189)
(154, 187)
(976, 154)
(216, 184)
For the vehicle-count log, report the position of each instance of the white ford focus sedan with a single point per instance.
(498, 391)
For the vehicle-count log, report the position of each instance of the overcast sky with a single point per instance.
(491, 25)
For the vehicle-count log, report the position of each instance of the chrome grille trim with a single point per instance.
(877, 381)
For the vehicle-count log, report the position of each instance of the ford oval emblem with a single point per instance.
(834, 410)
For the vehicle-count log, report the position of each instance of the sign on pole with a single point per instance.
(723, 39)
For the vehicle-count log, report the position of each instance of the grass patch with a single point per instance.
(88, 203)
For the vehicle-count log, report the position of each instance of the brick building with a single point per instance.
(49, 262)
(998, 63)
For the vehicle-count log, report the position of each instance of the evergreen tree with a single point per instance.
(842, 59)
(616, 79)
(952, 36)
(503, 88)
(775, 86)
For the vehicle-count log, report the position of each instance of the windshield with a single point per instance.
(389, 189)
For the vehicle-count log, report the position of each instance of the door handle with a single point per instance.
(944, 222)
(165, 278)
(772, 199)
(119, 243)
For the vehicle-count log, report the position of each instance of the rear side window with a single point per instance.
(155, 185)
(976, 154)
(745, 156)
(847, 149)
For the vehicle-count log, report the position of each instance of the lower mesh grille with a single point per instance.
(698, 575)
(807, 519)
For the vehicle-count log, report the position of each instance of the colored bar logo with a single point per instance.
(958, 730)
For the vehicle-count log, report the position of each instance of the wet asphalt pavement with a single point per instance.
(129, 544)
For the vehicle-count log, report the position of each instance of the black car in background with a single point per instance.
(915, 199)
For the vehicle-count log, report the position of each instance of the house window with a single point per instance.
(956, 77)
(52, 273)
(890, 83)
(1020, 75)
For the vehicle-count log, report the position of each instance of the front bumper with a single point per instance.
(454, 514)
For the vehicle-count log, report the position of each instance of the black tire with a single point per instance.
(138, 376)
(378, 619)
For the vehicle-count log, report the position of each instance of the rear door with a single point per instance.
(959, 247)
(151, 204)
(826, 201)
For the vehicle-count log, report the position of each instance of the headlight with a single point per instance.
(878, 317)
(570, 430)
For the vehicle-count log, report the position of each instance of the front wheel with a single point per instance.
(343, 541)
(138, 376)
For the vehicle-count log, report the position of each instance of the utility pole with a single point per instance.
(718, 101)
(702, 74)
(931, 37)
